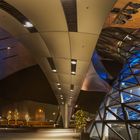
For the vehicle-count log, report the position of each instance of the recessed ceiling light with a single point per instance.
(62, 103)
(122, 83)
(58, 84)
(73, 72)
(28, 24)
(71, 90)
(40, 110)
(70, 97)
(61, 98)
(54, 70)
(9, 111)
(73, 62)
(53, 113)
(131, 90)
(51, 63)
(76, 106)
(61, 95)
(8, 48)
(59, 88)
(119, 43)
(73, 66)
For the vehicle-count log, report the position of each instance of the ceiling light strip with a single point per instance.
(18, 15)
(71, 87)
(7, 48)
(51, 63)
(59, 87)
(70, 10)
(11, 56)
(73, 66)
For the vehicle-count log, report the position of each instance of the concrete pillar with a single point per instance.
(66, 116)
(66, 111)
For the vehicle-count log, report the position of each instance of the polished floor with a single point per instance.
(38, 134)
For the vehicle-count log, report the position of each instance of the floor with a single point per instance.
(38, 134)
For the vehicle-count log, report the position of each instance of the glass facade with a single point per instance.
(119, 115)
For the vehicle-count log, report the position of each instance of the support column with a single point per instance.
(66, 116)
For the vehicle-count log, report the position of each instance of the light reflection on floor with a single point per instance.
(38, 134)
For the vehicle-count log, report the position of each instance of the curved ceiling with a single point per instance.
(55, 40)
(13, 55)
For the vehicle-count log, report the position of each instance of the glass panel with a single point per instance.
(110, 116)
(94, 134)
(135, 106)
(138, 78)
(98, 117)
(135, 133)
(102, 112)
(113, 90)
(126, 85)
(132, 115)
(130, 79)
(116, 86)
(135, 71)
(129, 98)
(120, 112)
(134, 90)
(126, 72)
(115, 95)
(120, 129)
(99, 128)
(114, 100)
(109, 134)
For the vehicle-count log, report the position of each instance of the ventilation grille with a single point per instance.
(70, 10)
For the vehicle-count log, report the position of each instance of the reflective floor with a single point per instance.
(38, 134)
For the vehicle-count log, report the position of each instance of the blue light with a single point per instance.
(138, 107)
(123, 84)
(100, 69)
(103, 76)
